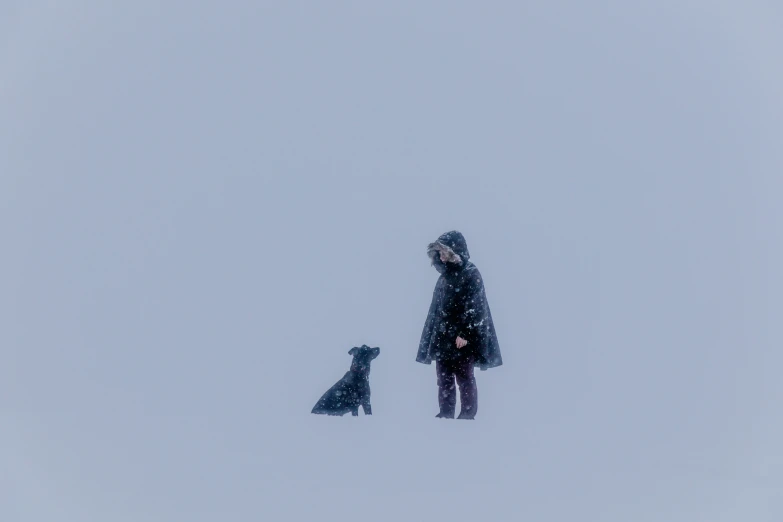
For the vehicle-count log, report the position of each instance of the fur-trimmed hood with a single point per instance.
(453, 244)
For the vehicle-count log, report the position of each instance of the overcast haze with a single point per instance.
(204, 206)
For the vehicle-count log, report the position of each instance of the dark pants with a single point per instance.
(460, 369)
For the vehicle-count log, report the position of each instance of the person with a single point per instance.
(459, 334)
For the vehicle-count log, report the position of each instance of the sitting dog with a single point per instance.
(353, 389)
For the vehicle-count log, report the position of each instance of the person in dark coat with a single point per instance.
(459, 334)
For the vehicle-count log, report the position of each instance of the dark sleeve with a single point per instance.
(423, 354)
(427, 332)
(472, 307)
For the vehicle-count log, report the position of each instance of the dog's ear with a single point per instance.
(353, 351)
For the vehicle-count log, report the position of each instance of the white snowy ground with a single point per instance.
(535, 453)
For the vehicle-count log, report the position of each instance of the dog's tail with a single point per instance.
(321, 408)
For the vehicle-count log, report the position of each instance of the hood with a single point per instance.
(454, 245)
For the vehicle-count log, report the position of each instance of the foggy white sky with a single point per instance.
(203, 207)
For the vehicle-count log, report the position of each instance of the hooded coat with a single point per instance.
(459, 308)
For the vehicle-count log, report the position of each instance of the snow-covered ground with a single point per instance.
(504, 467)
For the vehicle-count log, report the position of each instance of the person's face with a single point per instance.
(443, 256)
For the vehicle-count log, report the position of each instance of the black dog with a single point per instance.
(353, 390)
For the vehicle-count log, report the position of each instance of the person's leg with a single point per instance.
(447, 393)
(468, 391)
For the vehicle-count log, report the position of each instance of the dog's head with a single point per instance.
(362, 357)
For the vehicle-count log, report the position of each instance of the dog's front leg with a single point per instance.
(367, 408)
(355, 412)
